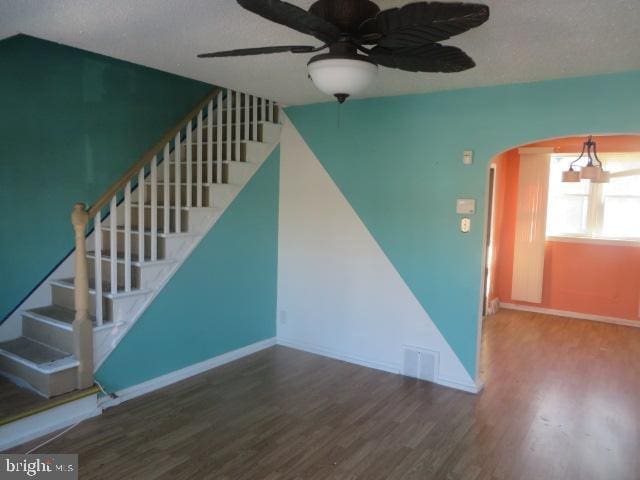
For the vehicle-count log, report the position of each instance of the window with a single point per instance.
(598, 210)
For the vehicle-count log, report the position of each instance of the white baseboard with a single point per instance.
(184, 373)
(48, 421)
(325, 352)
(385, 367)
(577, 315)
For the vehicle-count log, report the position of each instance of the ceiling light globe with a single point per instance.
(341, 77)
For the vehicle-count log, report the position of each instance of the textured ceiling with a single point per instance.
(524, 40)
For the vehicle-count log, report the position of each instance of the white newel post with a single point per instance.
(82, 327)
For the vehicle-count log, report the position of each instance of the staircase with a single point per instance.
(142, 230)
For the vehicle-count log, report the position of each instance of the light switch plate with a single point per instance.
(465, 206)
(467, 157)
(465, 225)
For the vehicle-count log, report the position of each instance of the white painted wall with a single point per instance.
(338, 293)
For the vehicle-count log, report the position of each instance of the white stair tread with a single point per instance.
(28, 351)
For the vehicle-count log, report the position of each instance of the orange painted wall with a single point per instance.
(578, 277)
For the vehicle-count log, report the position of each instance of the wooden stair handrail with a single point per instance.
(148, 155)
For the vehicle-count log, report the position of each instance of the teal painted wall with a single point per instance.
(398, 161)
(71, 123)
(222, 298)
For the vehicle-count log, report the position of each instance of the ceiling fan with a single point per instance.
(360, 37)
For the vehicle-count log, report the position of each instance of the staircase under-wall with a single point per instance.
(143, 229)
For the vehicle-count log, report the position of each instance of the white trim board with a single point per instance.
(34, 426)
(385, 367)
(184, 373)
(576, 315)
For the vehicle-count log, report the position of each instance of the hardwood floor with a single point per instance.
(561, 401)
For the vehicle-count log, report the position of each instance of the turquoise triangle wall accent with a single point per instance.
(398, 161)
(222, 298)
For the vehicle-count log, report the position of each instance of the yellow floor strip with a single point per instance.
(55, 402)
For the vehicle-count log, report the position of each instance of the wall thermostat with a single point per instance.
(465, 206)
(467, 157)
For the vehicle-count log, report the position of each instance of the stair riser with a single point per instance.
(116, 310)
(184, 219)
(214, 153)
(267, 132)
(194, 172)
(224, 134)
(247, 113)
(106, 273)
(143, 276)
(161, 243)
(63, 297)
(48, 384)
(48, 333)
(207, 195)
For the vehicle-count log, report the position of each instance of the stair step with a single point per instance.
(47, 370)
(161, 207)
(51, 325)
(147, 231)
(134, 259)
(37, 353)
(106, 288)
(55, 314)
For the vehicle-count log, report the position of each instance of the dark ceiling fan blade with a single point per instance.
(425, 58)
(293, 17)
(260, 51)
(422, 23)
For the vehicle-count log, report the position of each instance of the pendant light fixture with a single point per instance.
(593, 170)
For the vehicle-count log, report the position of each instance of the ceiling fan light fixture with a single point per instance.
(341, 77)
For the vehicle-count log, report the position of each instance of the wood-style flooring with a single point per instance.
(561, 401)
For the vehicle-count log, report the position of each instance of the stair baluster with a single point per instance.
(198, 160)
(127, 239)
(113, 246)
(97, 224)
(189, 202)
(218, 140)
(178, 186)
(166, 176)
(209, 143)
(154, 209)
(227, 127)
(141, 201)
(245, 114)
(254, 119)
(237, 125)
